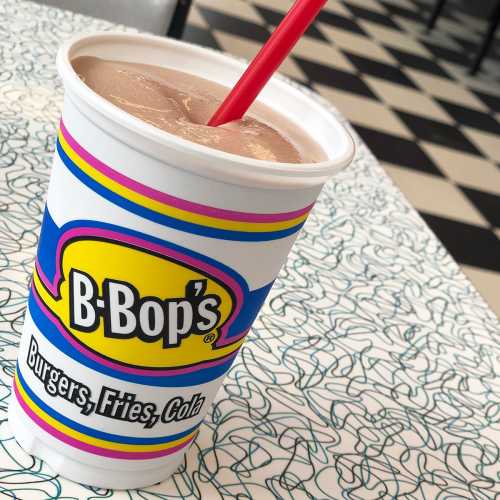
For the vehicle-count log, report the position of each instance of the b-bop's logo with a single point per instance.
(140, 303)
(126, 314)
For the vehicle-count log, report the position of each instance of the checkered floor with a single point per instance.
(435, 129)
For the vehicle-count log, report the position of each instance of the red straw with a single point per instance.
(267, 61)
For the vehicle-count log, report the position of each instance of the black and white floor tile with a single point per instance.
(407, 92)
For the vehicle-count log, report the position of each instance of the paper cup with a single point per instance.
(155, 256)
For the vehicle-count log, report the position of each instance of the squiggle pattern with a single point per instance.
(372, 372)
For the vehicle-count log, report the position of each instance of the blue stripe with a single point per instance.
(165, 220)
(50, 332)
(94, 432)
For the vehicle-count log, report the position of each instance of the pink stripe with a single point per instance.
(173, 200)
(52, 287)
(127, 455)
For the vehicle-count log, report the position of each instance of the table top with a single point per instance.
(371, 372)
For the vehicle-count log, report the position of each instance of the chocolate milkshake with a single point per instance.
(181, 104)
(156, 254)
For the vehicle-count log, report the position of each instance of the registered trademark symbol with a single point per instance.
(210, 337)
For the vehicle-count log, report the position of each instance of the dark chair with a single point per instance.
(488, 39)
(179, 19)
(161, 17)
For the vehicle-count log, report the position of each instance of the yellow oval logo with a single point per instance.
(141, 304)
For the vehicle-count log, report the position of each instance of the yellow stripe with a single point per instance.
(91, 440)
(170, 211)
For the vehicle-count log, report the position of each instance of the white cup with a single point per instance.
(154, 258)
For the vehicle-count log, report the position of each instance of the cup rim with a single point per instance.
(281, 172)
